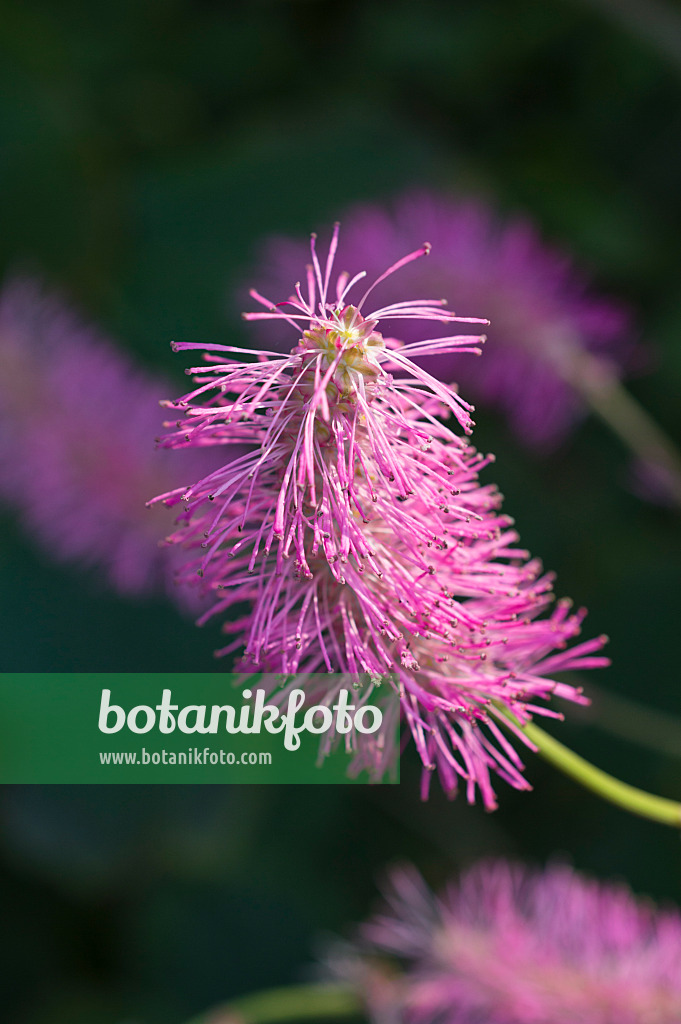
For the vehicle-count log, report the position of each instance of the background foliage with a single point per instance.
(146, 147)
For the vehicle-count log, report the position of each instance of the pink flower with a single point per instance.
(506, 945)
(540, 306)
(358, 534)
(77, 426)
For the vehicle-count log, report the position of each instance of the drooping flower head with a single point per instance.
(357, 531)
(77, 426)
(541, 307)
(506, 945)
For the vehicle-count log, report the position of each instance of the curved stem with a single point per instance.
(605, 395)
(289, 1003)
(637, 801)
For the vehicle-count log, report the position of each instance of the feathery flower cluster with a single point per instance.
(357, 532)
(77, 428)
(506, 945)
(540, 307)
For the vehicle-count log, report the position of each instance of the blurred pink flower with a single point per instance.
(77, 459)
(506, 945)
(540, 307)
(359, 536)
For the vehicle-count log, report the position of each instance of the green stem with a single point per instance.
(637, 801)
(290, 1003)
(604, 393)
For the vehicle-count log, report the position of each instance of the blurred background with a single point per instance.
(146, 148)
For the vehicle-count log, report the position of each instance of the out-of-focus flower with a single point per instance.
(357, 531)
(506, 945)
(541, 309)
(77, 459)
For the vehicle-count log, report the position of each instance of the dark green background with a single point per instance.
(50, 731)
(145, 147)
